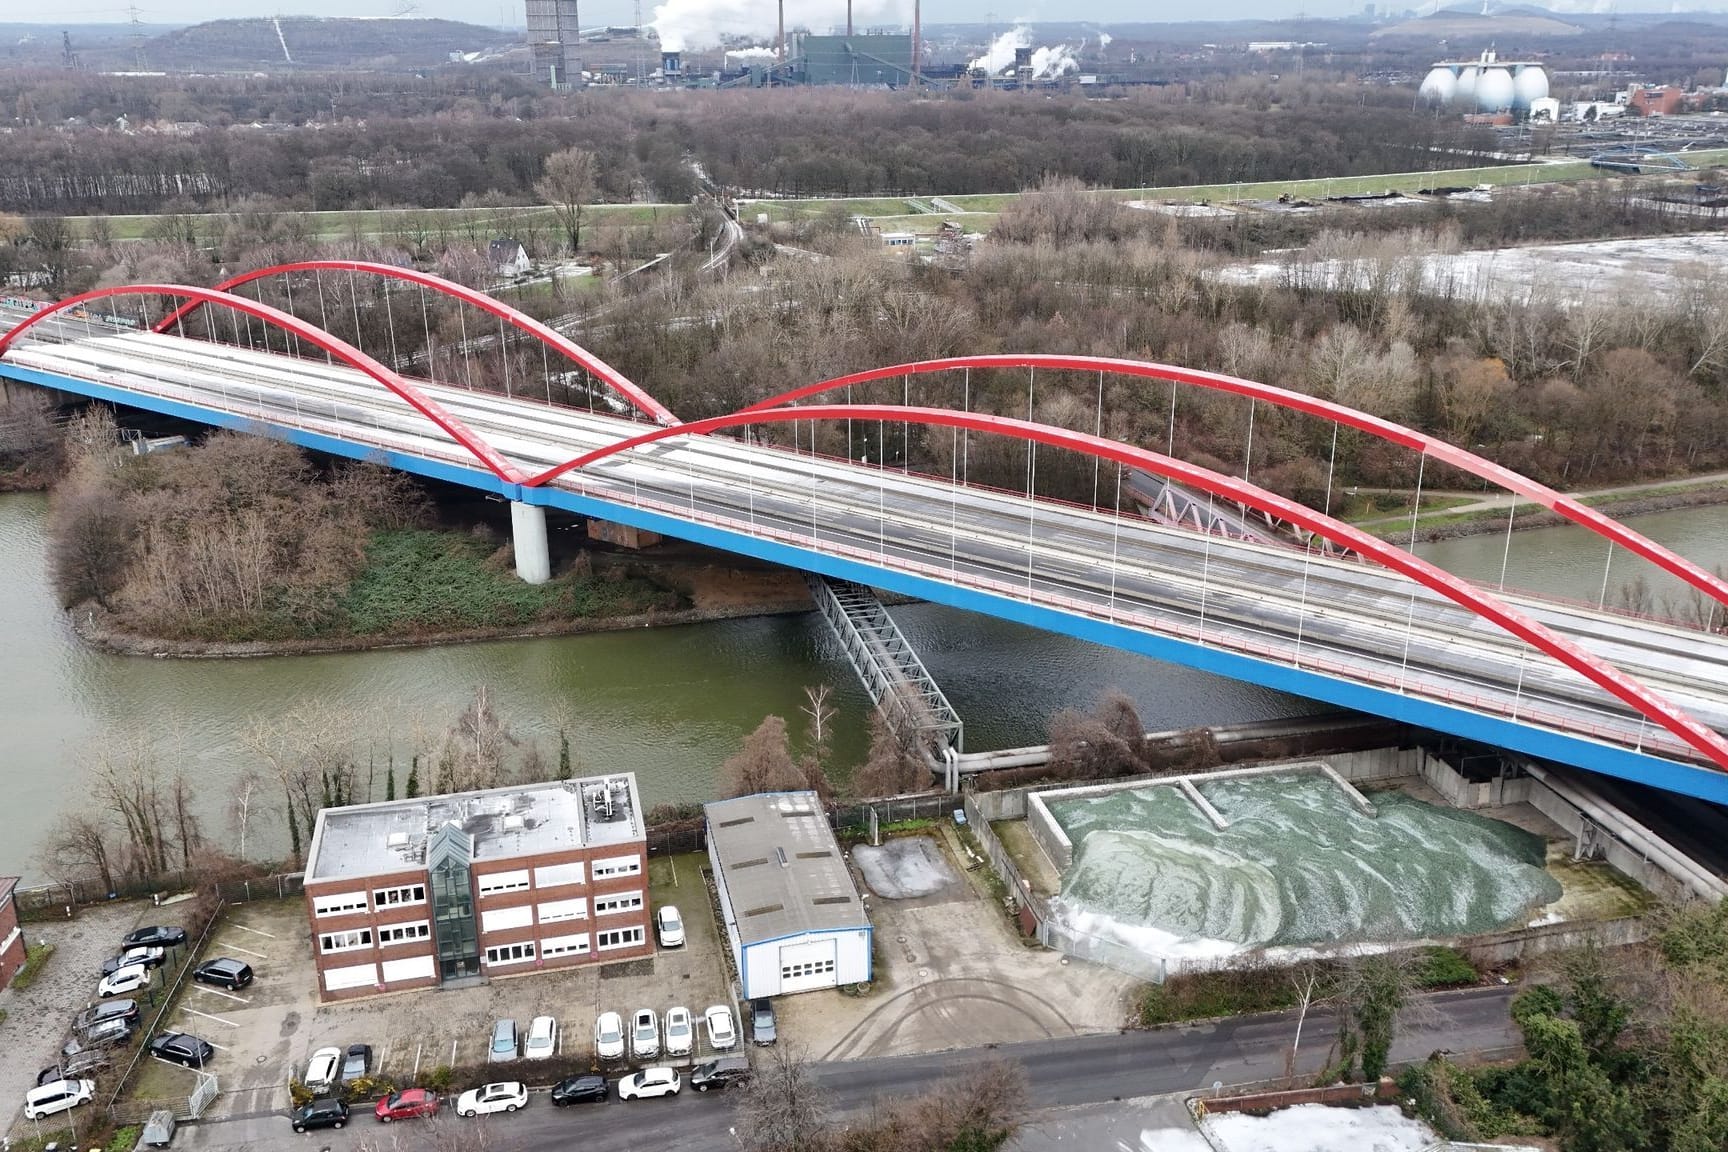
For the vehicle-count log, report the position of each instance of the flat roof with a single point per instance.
(521, 820)
(782, 867)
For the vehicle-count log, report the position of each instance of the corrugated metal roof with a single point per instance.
(782, 866)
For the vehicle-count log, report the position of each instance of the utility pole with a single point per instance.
(137, 38)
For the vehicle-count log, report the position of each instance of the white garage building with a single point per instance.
(791, 910)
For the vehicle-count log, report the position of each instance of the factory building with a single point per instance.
(1486, 84)
(553, 42)
(875, 60)
(792, 914)
(414, 893)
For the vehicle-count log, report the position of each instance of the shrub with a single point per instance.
(1440, 967)
(1225, 992)
(124, 1139)
(34, 957)
(437, 1079)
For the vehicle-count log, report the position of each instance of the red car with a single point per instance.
(407, 1103)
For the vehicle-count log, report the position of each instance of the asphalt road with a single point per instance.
(1083, 1070)
(1344, 618)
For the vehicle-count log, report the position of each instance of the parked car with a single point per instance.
(73, 1066)
(670, 926)
(580, 1090)
(644, 1034)
(106, 1034)
(505, 1096)
(320, 1114)
(57, 1096)
(357, 1062)
(504, 1043)
(762, 1021)
(154, 936)
(149, 957)
(680, 1032)
(224, 973)
(322, 1069)
(650, 1082)
(721, 1072)
(102, 1013)
(542, 1039)
(158, 1130)
(722, 1036)
(406, 1104)
(609, 1036)
(180, 1048)
(123, 980)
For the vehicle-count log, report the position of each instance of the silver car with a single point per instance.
(503, 1047)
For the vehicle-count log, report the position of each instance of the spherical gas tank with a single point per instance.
(1439, 86)
(1528, 86)
(1494, 90)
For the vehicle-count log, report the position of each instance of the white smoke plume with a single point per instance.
(750, 53)
(1104, 39)
(691, 24)
(1046, 62)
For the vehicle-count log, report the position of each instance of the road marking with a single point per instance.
(219, 992)
(248, 951)
(207, 1016)
(256, 931)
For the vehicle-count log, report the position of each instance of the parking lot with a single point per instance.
(266, 1033)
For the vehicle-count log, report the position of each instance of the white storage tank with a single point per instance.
(1529, 84)
(1494, 89)
(1465, 94)
(1440, 85)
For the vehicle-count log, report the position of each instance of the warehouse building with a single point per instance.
(792, 913)
(413, 893)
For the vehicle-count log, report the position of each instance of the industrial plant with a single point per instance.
(1486, 85)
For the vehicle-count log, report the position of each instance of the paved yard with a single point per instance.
(37, 1018)
(951, 972)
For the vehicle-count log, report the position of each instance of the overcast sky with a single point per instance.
(509, 12)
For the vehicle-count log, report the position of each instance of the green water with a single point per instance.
(1298, 864)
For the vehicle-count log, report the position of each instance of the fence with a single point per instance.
(56, 901)
(182, 1109)
(1029, 907)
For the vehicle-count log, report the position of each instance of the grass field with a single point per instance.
(978, 212)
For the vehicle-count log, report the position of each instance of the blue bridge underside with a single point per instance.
(1578, 751)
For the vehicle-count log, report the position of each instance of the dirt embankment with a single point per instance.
(1541, 518)
(716, 592)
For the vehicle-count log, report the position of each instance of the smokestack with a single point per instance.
(848, 17)
(780, 53)
(917, 35)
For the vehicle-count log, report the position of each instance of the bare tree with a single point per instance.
(473, 756)
(783, 1109)
(763, 764)
(82, 843)
(242, 799)
(892, 767)
(1305, 977)
(567, 183)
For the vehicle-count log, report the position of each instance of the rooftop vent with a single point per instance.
(397, 840)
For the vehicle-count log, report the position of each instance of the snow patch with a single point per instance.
(1318, 1128)
(904, 868)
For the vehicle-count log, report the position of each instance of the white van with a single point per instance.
(57, 1096)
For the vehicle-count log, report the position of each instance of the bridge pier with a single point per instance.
(528, 537)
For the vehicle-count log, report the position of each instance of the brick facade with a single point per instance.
(11, 934)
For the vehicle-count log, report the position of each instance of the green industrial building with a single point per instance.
(872, 60)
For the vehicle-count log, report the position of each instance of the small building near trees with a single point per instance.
(792, 914)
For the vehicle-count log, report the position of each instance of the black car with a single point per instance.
(580, 1090)
(356, 1063)
(102, 1013)
(225, 973)
(180, 1048)
(320, 1114)
(76, 1066)
(722, 1072)
(155, 936)
(149, 957)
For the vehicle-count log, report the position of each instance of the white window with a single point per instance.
(564, 945)
(510, 954)
(552, 875)
(357, 976)
(410, 968)
(404, 933)
(498, 919)
(345, 941)
(613, 905)
(806, 970)
(493, 883)
(339, 903)
(618, 938)
(618, 866)
(555, 910)
(392, 897)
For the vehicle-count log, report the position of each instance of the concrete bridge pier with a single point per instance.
(528, 536)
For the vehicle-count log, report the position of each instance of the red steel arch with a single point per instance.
(310, 333)
(1646, 702)
(618, 382)
(1579, 513)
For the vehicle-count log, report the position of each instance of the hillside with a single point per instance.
(320, 43)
